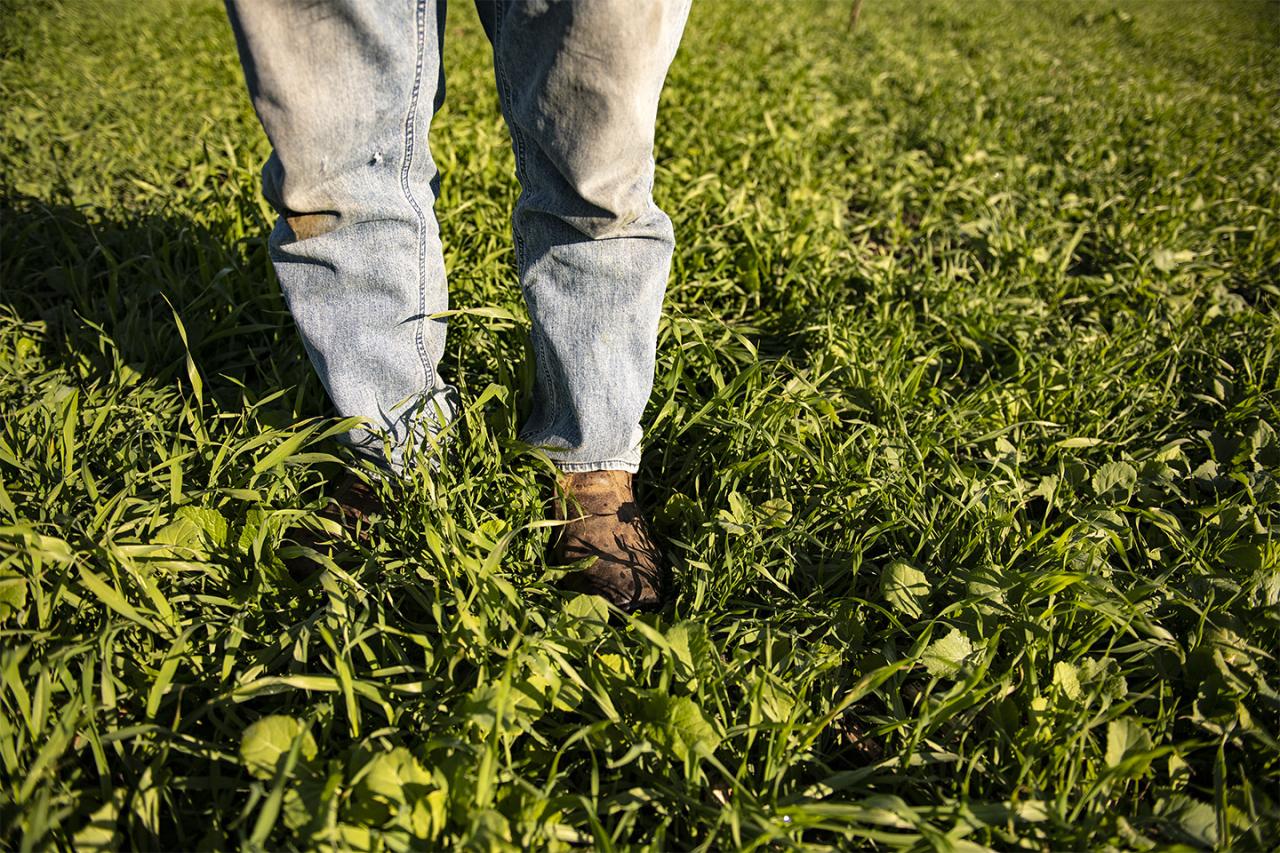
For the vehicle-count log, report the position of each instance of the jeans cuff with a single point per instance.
(606, 465)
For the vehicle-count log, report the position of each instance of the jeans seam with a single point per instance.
(522, 173)
(410, 122)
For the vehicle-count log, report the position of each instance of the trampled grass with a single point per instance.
(963, 443)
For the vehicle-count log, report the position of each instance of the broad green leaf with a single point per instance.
(193, 532)
(776, 702)
(690, 646)
(183, 537)
(1046, 488)
(1103, 676)
(209, 521)
(281, 783)
(489, 830)
(517, 707)
(1195, 818)
(681, 510)
(253, 521)
(677, 725)
(584, 616)
(1065, 676)
(737, 518)
(355, 837)
(1127, 740)
(389, 772)
(1115, 475)
(13, 594)
(265, 741)
(690, 728)
(904, 588)
(775, 512)
(944, 657)
(395, 784)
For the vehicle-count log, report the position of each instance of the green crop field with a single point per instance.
(963, 445)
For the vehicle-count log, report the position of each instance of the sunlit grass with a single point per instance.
(963, 443)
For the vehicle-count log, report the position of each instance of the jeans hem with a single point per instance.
(606, 465)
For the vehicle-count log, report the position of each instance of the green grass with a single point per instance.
(963, 442)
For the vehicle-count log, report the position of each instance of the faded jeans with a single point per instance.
(346, 90)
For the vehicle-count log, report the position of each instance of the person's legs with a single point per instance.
(346, 92)
(579, 82)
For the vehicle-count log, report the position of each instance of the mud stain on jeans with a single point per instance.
(308, 225)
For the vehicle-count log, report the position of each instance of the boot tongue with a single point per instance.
(598, 492)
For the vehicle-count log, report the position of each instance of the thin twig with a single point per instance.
(855, 11)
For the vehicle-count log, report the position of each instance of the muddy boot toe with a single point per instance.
(604, 525)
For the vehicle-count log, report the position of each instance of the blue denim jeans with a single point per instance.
(346, 90)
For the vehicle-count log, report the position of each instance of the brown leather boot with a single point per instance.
(351, 510)
(354, 505)
(604, 522)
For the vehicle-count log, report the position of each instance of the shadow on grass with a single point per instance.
(109, 300)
